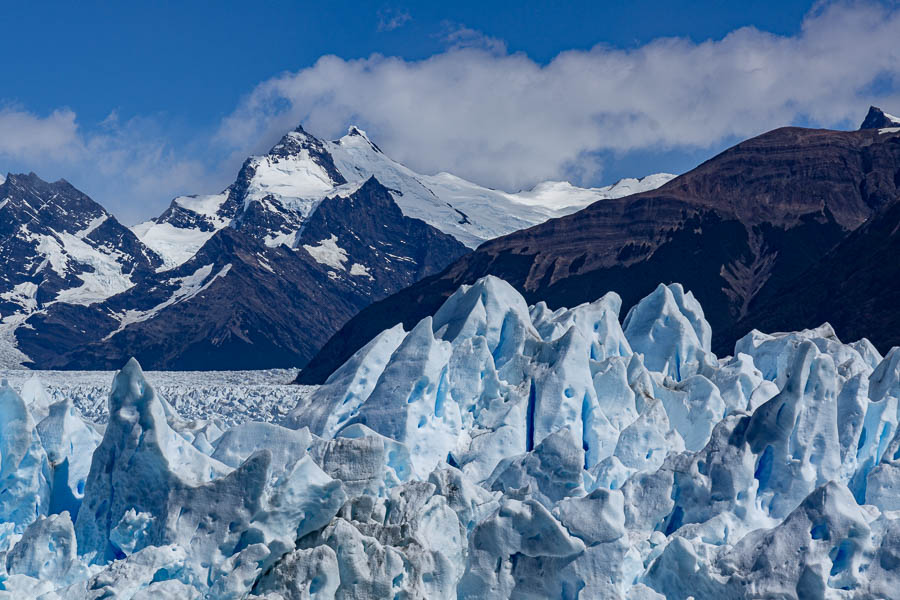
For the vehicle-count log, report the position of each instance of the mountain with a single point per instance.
(854, 287)
(262, 274)
(240, 303)
(57, 245)
(274, 194)
(756, 216)
(878, 119)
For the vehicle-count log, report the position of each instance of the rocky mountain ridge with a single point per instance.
(305, 237)
(751, 219)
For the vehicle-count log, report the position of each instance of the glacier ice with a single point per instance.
(495, 450)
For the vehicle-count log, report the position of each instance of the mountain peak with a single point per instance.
(878, 119)
(33, 179)
(355, 132)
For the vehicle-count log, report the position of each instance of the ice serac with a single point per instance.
(668, 328)
(24, 470)
(409, 402)
(495, 450)
(334, 403)
(146, 477)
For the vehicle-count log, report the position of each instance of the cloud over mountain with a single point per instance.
(494, 117)
(505, 120)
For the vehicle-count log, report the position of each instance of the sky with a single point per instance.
(135, 103)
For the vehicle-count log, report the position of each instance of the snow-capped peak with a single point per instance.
(355, 132)
(277, 192)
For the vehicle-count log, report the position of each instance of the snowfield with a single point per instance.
(233, 397)
(496, 450)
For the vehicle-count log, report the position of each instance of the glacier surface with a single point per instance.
(496, 450)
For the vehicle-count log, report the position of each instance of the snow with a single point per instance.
(107, 278)
(93, 225)
(296, 181)
(467, 211)
(891, 118)
(328, 253)
(564, 197)
(495, 450)
(357, 269)
(206, 205)
(24, 294)
(175, 245)
(10, 355)
(103, 279)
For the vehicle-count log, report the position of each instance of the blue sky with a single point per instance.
(137, 102)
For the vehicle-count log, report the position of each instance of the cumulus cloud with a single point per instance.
(28, 136)
(129, 166)
(497, 118)
(502, 119)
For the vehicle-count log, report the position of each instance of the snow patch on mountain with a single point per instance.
(176, 245)
(296, 181)
(360, 270)
(207, 206)
(105, 278)
(328, 253)
(892, 118)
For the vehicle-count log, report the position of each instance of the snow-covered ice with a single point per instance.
(233, 397)
(495, 450)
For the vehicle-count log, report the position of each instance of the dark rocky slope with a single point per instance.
(756, 216)
(240, 304)
(855, 287)
(47, 230)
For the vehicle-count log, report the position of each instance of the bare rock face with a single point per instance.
(748, 221)
(878, 119)
(853, 287)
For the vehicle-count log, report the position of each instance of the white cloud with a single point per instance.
(504, 120)
(390, 19)
(497, 118)
(458, 37)
(128, 166)
(28, 136)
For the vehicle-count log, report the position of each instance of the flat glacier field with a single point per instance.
(234, 397)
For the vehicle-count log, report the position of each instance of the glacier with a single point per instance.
(495, 450)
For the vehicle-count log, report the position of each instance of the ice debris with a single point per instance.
(496, 450)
